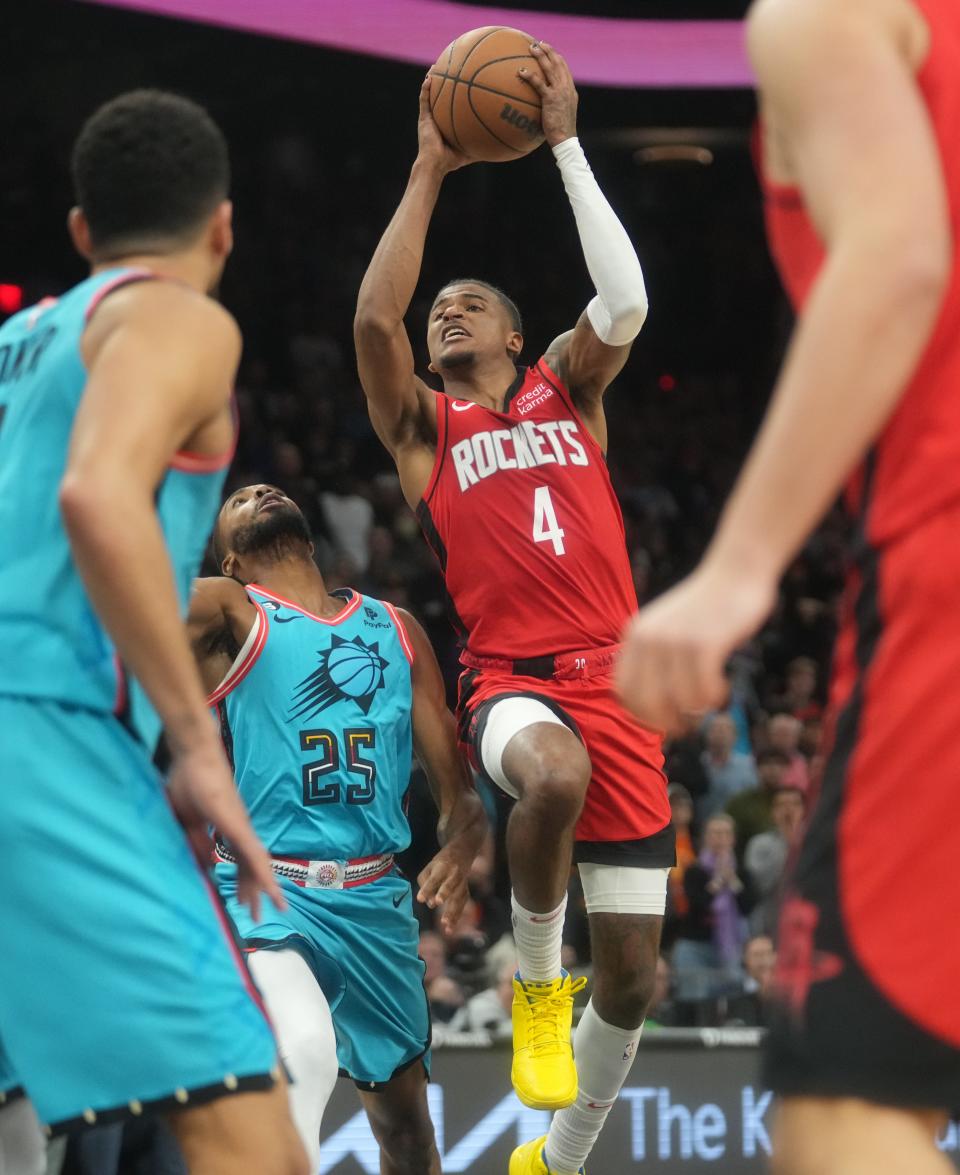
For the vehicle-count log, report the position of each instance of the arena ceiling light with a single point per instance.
(602, 51)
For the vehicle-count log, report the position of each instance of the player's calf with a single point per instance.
(401, 1124)
(625, 949)
(243, 1134)
(848, 1136)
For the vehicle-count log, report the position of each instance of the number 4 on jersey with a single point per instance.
(546, 529)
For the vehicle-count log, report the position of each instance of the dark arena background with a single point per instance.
(322, 133)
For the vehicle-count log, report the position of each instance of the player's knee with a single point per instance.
(554, 781)
(408, 1145)
(622, 998)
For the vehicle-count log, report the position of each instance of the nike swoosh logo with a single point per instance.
(462, 407)
(398, 900)
(286, 619)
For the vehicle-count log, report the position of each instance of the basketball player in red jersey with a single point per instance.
(506, 471)
(860, 107)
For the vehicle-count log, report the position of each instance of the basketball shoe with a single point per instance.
(529, 1159)
(543, 1072)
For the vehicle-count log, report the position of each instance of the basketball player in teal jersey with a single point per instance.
(120, 990)
(321, 698)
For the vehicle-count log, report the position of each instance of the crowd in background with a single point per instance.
(738, 782)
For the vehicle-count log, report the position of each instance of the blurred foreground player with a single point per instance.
(861, 142)
(321, 698)
(121, 992)
(506, 471)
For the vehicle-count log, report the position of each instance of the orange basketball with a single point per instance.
(480, 105)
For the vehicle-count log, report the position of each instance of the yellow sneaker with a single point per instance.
(543, 1072)
(529, 1159)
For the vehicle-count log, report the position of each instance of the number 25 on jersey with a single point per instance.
(546, 529)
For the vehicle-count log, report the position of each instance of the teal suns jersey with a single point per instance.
(316, 717)
(52, 644)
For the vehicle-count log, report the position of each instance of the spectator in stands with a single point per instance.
(783, 734)
(684, 759)
(681, 816)
(810, 738)
(728, 771)
(767, 853)
(443, 992)
(490, 1010)
(493, 914)
(750, 809)
(800, 695)
(662, 1012)
(706, 955)
(749, 1007)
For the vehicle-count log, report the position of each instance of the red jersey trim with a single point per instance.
(401, 632)
(442, 431)
(120, 697)
(124, 279)
(184, 461)
(246, 660)
(349, 610)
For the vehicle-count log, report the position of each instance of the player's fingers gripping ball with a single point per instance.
(481, 106)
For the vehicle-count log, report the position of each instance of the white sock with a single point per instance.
(23, 1148)
(304, 1027)
(539, 938)
(604, 1057)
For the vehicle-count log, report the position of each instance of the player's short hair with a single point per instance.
(148, 167)
(516, 321)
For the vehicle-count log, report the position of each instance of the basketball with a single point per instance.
(480, 105)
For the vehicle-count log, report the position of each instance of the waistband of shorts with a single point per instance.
(559, 666)
(321, 874)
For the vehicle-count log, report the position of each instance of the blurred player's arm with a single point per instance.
(462, 825)
(160, 361)
(218, 622)
(402, 407)
(590, 356)
(839, 85)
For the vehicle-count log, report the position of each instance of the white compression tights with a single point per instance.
(23, 1149)
(301, 1019)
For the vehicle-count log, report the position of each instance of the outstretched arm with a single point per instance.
(462, 824)
(401, 406)
(839, 83)
(590, 356)
(179, 351)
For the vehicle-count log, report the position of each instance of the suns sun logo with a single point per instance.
(348, 670)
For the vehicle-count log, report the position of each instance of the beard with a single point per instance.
(275, 535)
(457, 359)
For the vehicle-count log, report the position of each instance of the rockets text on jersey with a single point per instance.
(522, 516)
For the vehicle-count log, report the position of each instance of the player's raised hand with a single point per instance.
(558, 94)
(443, 884)
(676, 649)
(434, 148)
(203, 794)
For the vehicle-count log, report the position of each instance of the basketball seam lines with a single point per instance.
(456, 81)
(433, 104)
(492, 134)
(487, 89)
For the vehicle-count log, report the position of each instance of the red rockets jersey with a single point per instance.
(916, 461)
(523, 519)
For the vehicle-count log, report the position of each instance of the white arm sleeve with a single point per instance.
(620, 307)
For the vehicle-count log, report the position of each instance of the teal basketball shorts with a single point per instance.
(362, 945)
(121, 988)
